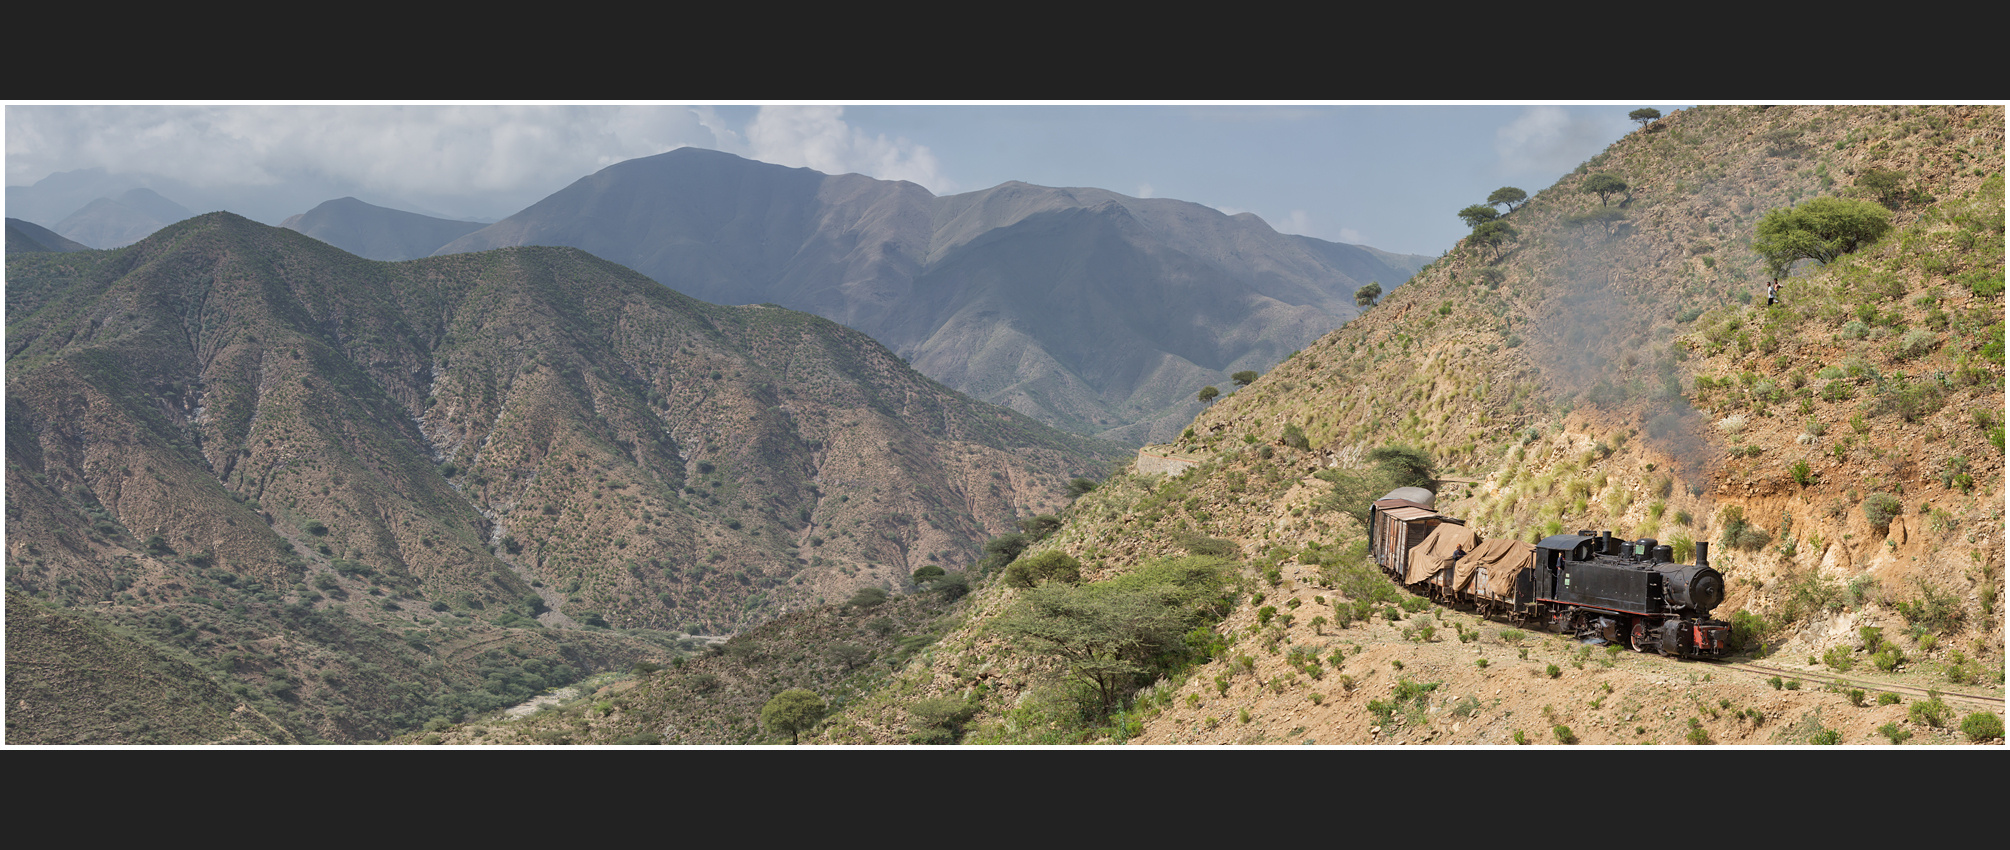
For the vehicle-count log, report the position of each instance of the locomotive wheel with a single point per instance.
(1640, 640)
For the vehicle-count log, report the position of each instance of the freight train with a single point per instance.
(1591, 585)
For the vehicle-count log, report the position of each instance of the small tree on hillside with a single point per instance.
(1208, 394)
(1120, 633)
(867, 597)
(1494, 235)
(1366, 296)
(1404, 466)
(794, 711)
(1478, 214)
(1645, 116)
(1605, 186)
(1040, 526)
(1884, 185)
(1821, 229)
(1509, 196)
(1051, 565)
(1245, 377)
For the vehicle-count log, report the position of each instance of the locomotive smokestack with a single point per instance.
(1702, 553)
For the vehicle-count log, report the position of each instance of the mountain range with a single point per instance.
(379, 233)
(1095, 312)
(492, 441)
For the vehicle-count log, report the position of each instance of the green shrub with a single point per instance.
(1881, 509)
(1839, 658)
(1697, 734)
(1295, 438)
(1564, 735)
(1982, 726)
(1960, 670)
(1737, 533)
(867, 597)
(1888, 658)
(1826, 738)
(1748, 630)
(1895, 732)
(1932, 712)
(1855, 696)
(1933, 611)
(1554, 671)
(1887, 698)
(1051, 565)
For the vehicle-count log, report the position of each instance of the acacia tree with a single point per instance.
(1478, 214)
(1391, 467)
(1116, 633)
(1509, 196)
(1366, 296)
(1645, 116)
(794, 711)
(1605, 185)
(1820, 229)
(1245, 377)
(1885, 185)
(1052, 565)
(1207, 394)
(1494, 234)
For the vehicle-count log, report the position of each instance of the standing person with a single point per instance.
(1772, 293)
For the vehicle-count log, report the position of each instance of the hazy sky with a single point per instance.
(1386, 175)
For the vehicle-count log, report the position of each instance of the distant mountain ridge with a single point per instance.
(378, 233)
(117, 222)
(1093, 311)
(28, 237)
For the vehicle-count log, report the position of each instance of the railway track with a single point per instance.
(1994, 703)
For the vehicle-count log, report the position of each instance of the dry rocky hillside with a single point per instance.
(1609, 362)
(1611, 365)
(356, 496)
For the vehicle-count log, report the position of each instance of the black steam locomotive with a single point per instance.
(1592, 585)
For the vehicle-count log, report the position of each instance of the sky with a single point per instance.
(1390, 176)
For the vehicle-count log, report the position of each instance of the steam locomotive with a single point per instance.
(1589, 584)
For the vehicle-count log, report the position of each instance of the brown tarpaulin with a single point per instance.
(1503, 559)
(1430, 556)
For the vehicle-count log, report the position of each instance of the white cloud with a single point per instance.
(1297, 224)
(818, 137)
(1547, 139)
(441, 150)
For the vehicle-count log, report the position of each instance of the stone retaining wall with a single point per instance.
(1157, 463)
